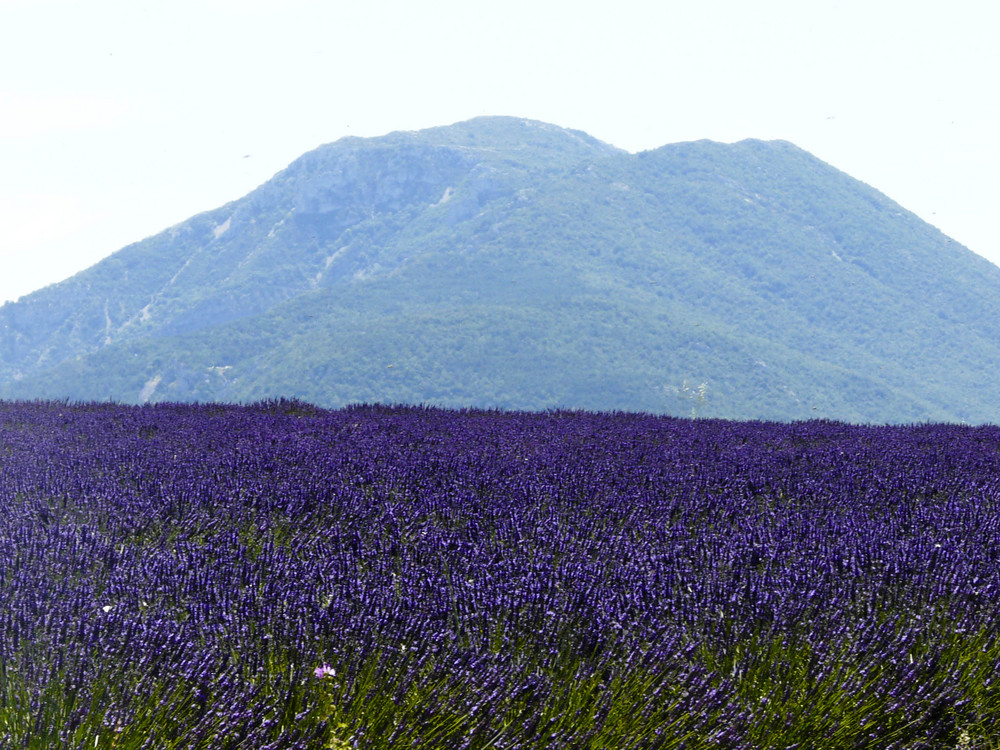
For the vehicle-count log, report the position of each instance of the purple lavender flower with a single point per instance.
(325, 671)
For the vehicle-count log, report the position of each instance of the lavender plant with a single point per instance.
(279, 576)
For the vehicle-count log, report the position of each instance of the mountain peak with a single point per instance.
(515, 132)
(513, 263)
(488, 139)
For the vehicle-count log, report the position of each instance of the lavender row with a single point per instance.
(694, 579)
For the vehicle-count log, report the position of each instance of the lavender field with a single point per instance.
(278, 576)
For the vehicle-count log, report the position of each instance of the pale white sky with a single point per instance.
(121, 118)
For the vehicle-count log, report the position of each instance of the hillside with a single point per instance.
(509, 263)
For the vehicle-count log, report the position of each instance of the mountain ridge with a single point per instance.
(617, 281)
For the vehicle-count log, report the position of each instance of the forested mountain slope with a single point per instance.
(510, 263)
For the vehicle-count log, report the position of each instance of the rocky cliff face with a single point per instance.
(351, 185)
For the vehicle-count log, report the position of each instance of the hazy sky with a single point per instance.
(119, 119)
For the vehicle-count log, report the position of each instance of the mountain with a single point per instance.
(509, 263)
